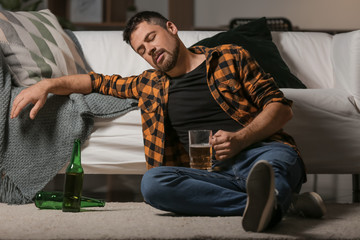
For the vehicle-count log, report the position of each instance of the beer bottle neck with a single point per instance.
(75, 162)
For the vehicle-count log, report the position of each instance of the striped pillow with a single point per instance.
(36, 47)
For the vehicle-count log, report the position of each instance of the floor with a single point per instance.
(137, 220)
(126, 188)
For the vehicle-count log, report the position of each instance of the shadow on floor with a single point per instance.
(111, 188)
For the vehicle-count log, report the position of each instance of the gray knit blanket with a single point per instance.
(33, 151)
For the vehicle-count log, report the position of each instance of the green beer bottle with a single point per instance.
(73, 181)
(54, 200)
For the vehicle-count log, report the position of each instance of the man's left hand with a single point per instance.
(226, 144)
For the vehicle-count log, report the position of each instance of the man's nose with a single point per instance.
(151, 50)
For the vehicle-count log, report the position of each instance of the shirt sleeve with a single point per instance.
(114, 85)
(261, 87)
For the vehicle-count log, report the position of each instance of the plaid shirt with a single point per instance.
(235, 80)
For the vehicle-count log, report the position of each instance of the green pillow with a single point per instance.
(35, 46)
(256, 37)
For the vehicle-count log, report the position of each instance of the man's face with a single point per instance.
(158, 46)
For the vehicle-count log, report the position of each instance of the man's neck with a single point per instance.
(187, 61)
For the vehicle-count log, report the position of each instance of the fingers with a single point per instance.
(222, 145)
(221, 148)
(22, 100)
(216, 139)
(17, 106)
(35, 109)
(222, 151)
(222, 156)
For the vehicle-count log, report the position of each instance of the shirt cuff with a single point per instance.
(93, 77)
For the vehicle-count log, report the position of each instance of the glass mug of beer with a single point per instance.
(200, 149)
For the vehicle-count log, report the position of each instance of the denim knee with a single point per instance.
(148, 184)
(153, 183)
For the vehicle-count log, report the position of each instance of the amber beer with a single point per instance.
(200, 155)
(200, 150)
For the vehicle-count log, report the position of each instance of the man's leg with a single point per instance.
(280, 174)
(198, 192)
(261, 201)
(287, 166)
(193, 192)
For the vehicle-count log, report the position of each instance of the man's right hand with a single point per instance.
(35, 94)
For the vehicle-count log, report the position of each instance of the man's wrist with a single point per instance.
(46, 85)
(243, 137)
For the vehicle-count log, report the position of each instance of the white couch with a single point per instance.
(326, 123)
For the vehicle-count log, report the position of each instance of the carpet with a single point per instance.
(140, 221)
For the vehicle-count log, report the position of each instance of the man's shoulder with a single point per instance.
(223, 48)
(151, 73)
(150, 76)
(220, 46)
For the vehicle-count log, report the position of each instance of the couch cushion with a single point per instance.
(107, 53)
(35, 47)
(256, 38)
(346, 60)
(308, 55)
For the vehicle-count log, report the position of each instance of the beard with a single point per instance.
(170, 62)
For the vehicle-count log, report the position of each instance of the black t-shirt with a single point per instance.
(191, 106)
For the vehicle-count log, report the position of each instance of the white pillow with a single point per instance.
(35, 47)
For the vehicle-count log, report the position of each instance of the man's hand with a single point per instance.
(226, 144)
(35, 94)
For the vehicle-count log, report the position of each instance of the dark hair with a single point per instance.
(146, 16)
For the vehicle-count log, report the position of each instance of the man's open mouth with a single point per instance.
(158, 56)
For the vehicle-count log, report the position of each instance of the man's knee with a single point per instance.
(153, 183)
(148, 183)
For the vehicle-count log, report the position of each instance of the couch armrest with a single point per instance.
(346, 63)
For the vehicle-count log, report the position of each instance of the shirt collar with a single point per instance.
(209, 52)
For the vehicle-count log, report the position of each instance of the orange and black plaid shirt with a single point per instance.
(235, 80)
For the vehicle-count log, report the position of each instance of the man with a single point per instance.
(222, 89)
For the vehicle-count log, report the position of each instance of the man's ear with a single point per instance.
(171, 27)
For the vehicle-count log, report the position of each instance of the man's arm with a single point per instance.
(37, 94)
(268, 122)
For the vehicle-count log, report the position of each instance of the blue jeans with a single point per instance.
(199, 192)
